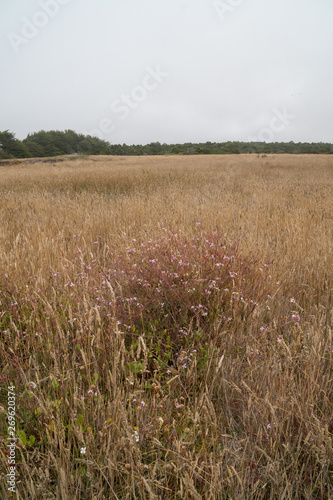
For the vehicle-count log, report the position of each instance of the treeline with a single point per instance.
(55, 143)
(52, 143)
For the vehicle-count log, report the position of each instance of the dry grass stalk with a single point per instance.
(126, 398)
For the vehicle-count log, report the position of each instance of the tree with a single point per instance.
(10, 147)
(55, 142)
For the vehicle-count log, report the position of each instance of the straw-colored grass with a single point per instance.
(167, 325)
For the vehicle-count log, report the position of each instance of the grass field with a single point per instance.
(166, 327)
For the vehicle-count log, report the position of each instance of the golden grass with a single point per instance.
(251, 416)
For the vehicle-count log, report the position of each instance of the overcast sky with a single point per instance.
(174, 71)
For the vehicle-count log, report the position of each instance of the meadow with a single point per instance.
(166, 324)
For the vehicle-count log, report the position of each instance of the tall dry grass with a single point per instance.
(223, 392)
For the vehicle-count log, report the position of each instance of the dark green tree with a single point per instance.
(10, 147)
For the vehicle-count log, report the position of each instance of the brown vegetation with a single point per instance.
(120, 397)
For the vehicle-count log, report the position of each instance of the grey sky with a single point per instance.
(138, 71)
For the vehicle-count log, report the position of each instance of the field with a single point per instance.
(166, 327)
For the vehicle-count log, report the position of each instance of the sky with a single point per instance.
(173, 71)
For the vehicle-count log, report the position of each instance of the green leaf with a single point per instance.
(136, 367)
(23, 438)
(80, 421)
